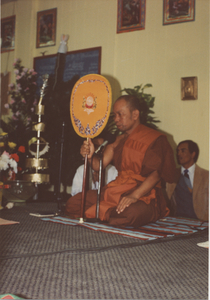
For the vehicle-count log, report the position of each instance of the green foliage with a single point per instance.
(22, 102)
(146, 103)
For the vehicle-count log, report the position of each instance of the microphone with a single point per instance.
(110, 139)
(101, 146)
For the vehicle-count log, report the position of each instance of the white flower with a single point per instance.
(13, 164)
(7, 162)
(5, 157)
(3, 165)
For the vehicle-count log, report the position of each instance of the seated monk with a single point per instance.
(143, 158)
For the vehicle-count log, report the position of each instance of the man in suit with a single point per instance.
(189, 196)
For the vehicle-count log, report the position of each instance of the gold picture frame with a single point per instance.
(8, 34)
(46, 28)
(130, 15)
(178, 11)
(189, 88)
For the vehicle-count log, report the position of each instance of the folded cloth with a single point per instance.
(204, 244)
(7, 222)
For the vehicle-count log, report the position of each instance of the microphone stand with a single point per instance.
(58, 192)
(96, 219)
(99, 183)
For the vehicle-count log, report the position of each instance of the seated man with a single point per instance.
(190, 194)
(110, 174)
(143, 157)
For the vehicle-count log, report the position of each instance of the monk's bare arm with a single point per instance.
(109, 152)
(141, 191)
(88, 148)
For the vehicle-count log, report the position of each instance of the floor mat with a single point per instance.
(163, 228)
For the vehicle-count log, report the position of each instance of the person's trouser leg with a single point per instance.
(73, 205)
(136, 215)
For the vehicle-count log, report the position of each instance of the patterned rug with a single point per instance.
(9, 296)
(163, 228)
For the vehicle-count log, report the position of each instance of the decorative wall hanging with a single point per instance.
(189, 88)
(8, 34)
(130, 15)
(178, 11)
(46, 28)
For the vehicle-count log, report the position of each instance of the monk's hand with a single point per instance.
(125, 202)
(87, 148)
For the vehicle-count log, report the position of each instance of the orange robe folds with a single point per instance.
(135, 157)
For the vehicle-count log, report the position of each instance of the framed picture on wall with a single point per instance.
(189, 88)
(130, 15)
(178, 11)
(8, 34)
(46, 28)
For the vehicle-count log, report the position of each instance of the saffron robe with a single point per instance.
(136, 156)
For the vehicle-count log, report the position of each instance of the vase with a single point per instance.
(9, 175)
(19, 191)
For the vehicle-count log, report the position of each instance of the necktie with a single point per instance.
(187, 180)
(186, 173)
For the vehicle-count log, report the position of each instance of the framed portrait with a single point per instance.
(178, 11)
(46, 28)
(130, 15)
(8, 34)
(189, 88)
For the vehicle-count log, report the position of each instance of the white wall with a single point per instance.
(159, 55)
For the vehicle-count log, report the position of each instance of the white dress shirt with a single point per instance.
(110, 175)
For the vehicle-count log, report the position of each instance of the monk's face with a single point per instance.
(184, 157)
(125, 120)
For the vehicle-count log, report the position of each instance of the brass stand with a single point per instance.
(36, 166)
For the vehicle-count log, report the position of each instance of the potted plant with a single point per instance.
(146, 103)
(22, 103)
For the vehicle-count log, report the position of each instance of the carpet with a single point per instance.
(163, 228)
(46, 260)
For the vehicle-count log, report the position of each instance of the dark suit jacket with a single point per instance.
(200, 192)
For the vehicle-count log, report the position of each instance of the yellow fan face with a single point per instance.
(90, 105)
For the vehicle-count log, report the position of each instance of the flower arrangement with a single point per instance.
(10, 158)
(22, 102)
(7, 163)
